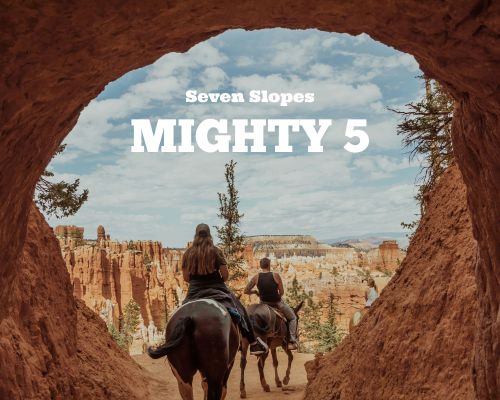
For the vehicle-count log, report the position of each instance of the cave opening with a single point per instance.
(441, 41)
(334, 195)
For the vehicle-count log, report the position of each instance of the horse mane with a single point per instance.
(184, 327)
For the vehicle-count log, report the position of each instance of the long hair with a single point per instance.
(371, 283)
(200, 258)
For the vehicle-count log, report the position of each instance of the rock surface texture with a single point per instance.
(416, 341)
(57, 56)
(51, 346)
(107, 274)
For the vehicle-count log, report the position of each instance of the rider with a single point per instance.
(205, 269)
(371, 293)
(270, 292)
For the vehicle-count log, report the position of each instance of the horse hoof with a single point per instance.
(286, 380)
(243, 394)
(279, 384)
(267, 388)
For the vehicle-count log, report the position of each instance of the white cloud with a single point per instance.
(244, 61)
(294, 55)
(328, 93)
(322, 71)
(300, 194)
(379, 167)
(385, 62)
(213, 78)
(163, 196)
(203, 54)
(330, 41)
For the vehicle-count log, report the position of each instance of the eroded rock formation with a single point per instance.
(323, 269)
(50, 346)
(107, 274)
(305, 249)
(387, 356)
(44, 87)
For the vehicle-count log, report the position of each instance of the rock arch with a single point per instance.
(57, 56)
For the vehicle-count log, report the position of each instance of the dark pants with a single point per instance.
(220, 292)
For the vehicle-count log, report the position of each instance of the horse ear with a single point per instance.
(298, 307)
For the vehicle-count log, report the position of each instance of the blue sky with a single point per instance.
(162, 196)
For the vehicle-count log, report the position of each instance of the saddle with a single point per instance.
(278, 313)
(280, 317)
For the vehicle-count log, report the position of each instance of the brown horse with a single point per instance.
(200, 336)
(273, 330)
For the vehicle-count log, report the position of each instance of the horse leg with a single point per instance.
(216, 383)
(289, 353)
(216, 380)
(204, 386)
(275, 365)
(184, 382)
(243, 364)
(215, 389)
(224, 382)
(261, 363)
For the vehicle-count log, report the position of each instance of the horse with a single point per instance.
(200, 336)
(273, 330)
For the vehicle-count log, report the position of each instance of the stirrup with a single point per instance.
(292, 345)
(260, 352)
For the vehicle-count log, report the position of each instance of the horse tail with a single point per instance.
(183, 328)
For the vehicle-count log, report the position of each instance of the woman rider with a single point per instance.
(205, 269)
(371, 294)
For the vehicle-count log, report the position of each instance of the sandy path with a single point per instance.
(163, 385)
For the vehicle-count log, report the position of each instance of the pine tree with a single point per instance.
(315, 334)
(231, 240)
(59, 199)
(118, 337)
(327, 334)
(131, 319)
(426, 132)
(295, 293)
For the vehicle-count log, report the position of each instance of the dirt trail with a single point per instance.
(164, 386)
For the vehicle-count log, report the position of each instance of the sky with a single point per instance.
(163, 196)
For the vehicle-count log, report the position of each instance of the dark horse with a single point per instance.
(272, 329)
(200, 336)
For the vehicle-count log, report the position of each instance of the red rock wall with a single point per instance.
(44, 87)
(49, 348)
(111, 270)
(417, 340)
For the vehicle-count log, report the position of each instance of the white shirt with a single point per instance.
(372, 296)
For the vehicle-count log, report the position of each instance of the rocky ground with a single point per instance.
(163, 385)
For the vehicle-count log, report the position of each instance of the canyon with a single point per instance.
(107, 274)
(44, 87)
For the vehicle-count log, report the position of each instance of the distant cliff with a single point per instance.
(107, 274)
